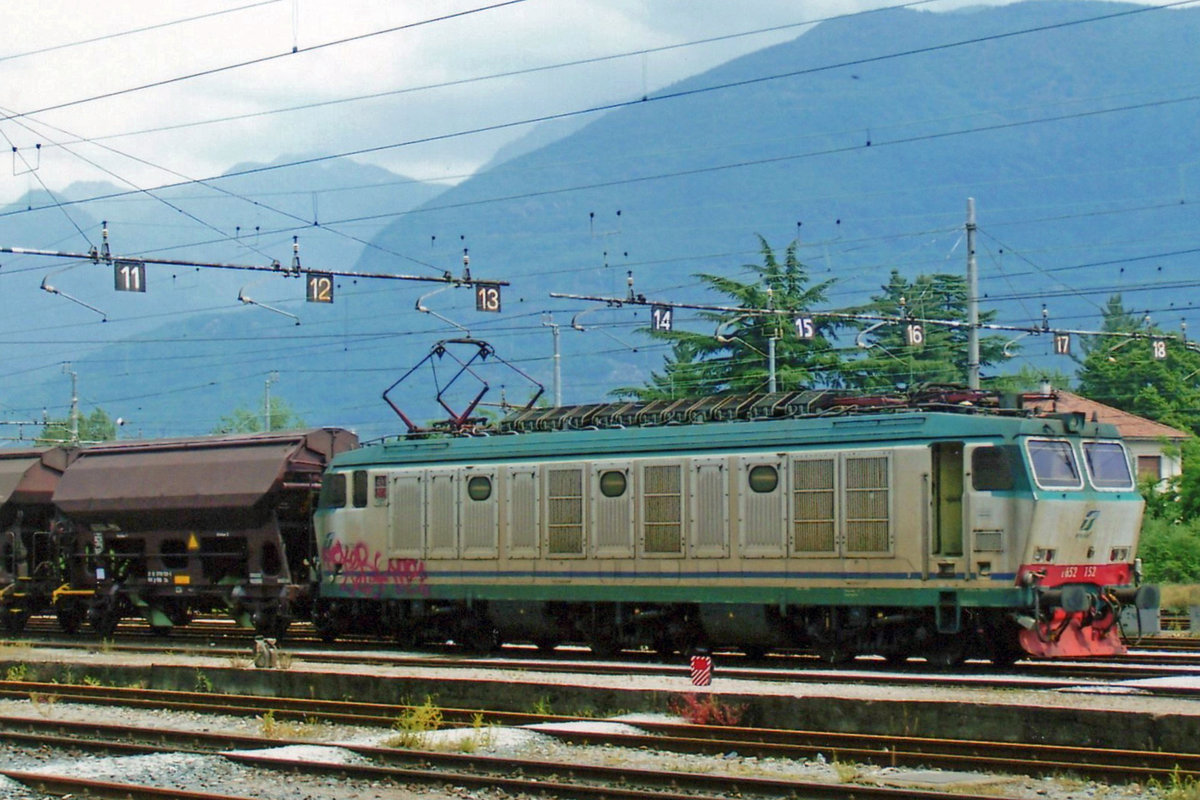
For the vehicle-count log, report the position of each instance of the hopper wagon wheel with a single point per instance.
(327, 620)
(14, 620)
(71, 615)
(104, 618)
(270, 624)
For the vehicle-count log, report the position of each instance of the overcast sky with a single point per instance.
(71, 74)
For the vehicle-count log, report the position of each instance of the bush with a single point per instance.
(1170, 552)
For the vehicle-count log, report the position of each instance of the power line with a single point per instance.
(264, 59)
(121, 34)
(703, 90)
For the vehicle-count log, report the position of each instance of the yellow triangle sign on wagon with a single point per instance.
(193, 542)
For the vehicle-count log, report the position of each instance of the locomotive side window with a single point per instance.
(333, 490)
(360, 488)
(479, 488)
(1054, 464)
(613, 483)
(991, 470)
(763, 479)
(564, 512)
(1108, 465)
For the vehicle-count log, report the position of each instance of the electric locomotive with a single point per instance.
(940, 526)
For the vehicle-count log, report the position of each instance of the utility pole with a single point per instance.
(73, 421)
(271, 378)
(972, 301)
(771, 343)
(548, 321)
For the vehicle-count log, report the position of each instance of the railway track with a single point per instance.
(792, 669)
(408, 767)
(1107, 764)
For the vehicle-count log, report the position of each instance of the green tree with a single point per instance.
(889, 360)
(245, 420)
(1125, 372)
(1029, 379)
(95, 427)
(736, 360)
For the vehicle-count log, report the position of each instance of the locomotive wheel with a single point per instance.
(604, 644)
(479, 636)
(947, 652)
(834, 653)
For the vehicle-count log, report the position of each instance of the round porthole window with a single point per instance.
(479, 487)
(763, 478)
(612, 483)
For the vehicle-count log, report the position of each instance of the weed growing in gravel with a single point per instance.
(203, 683)
(88, 680)
(17, 672)
(541, 707)
(1180, 787)
(414, 724)
(43, 703)
(272, 728)
(706, 710)
(846, 773)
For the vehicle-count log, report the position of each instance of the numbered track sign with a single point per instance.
(805, 328)
(662, 318)
(1062, 344)
(914, 334)
(1159, 348)
(487, 297)
(129, 276)
(319, 287)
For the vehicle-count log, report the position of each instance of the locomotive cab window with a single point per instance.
(333, 490)
(1108, 465)
(1054, 465)
(991, 470)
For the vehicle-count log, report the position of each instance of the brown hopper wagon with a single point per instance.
(167, 528)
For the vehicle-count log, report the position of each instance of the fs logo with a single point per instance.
(1089, 523)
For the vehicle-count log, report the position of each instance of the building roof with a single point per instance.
(1131, 426)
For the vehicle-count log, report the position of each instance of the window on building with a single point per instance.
(1149, 468)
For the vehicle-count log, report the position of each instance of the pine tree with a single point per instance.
(732, 355)
(890, 361)
(1125, 372)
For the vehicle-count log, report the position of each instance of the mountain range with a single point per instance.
(1071, 124)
